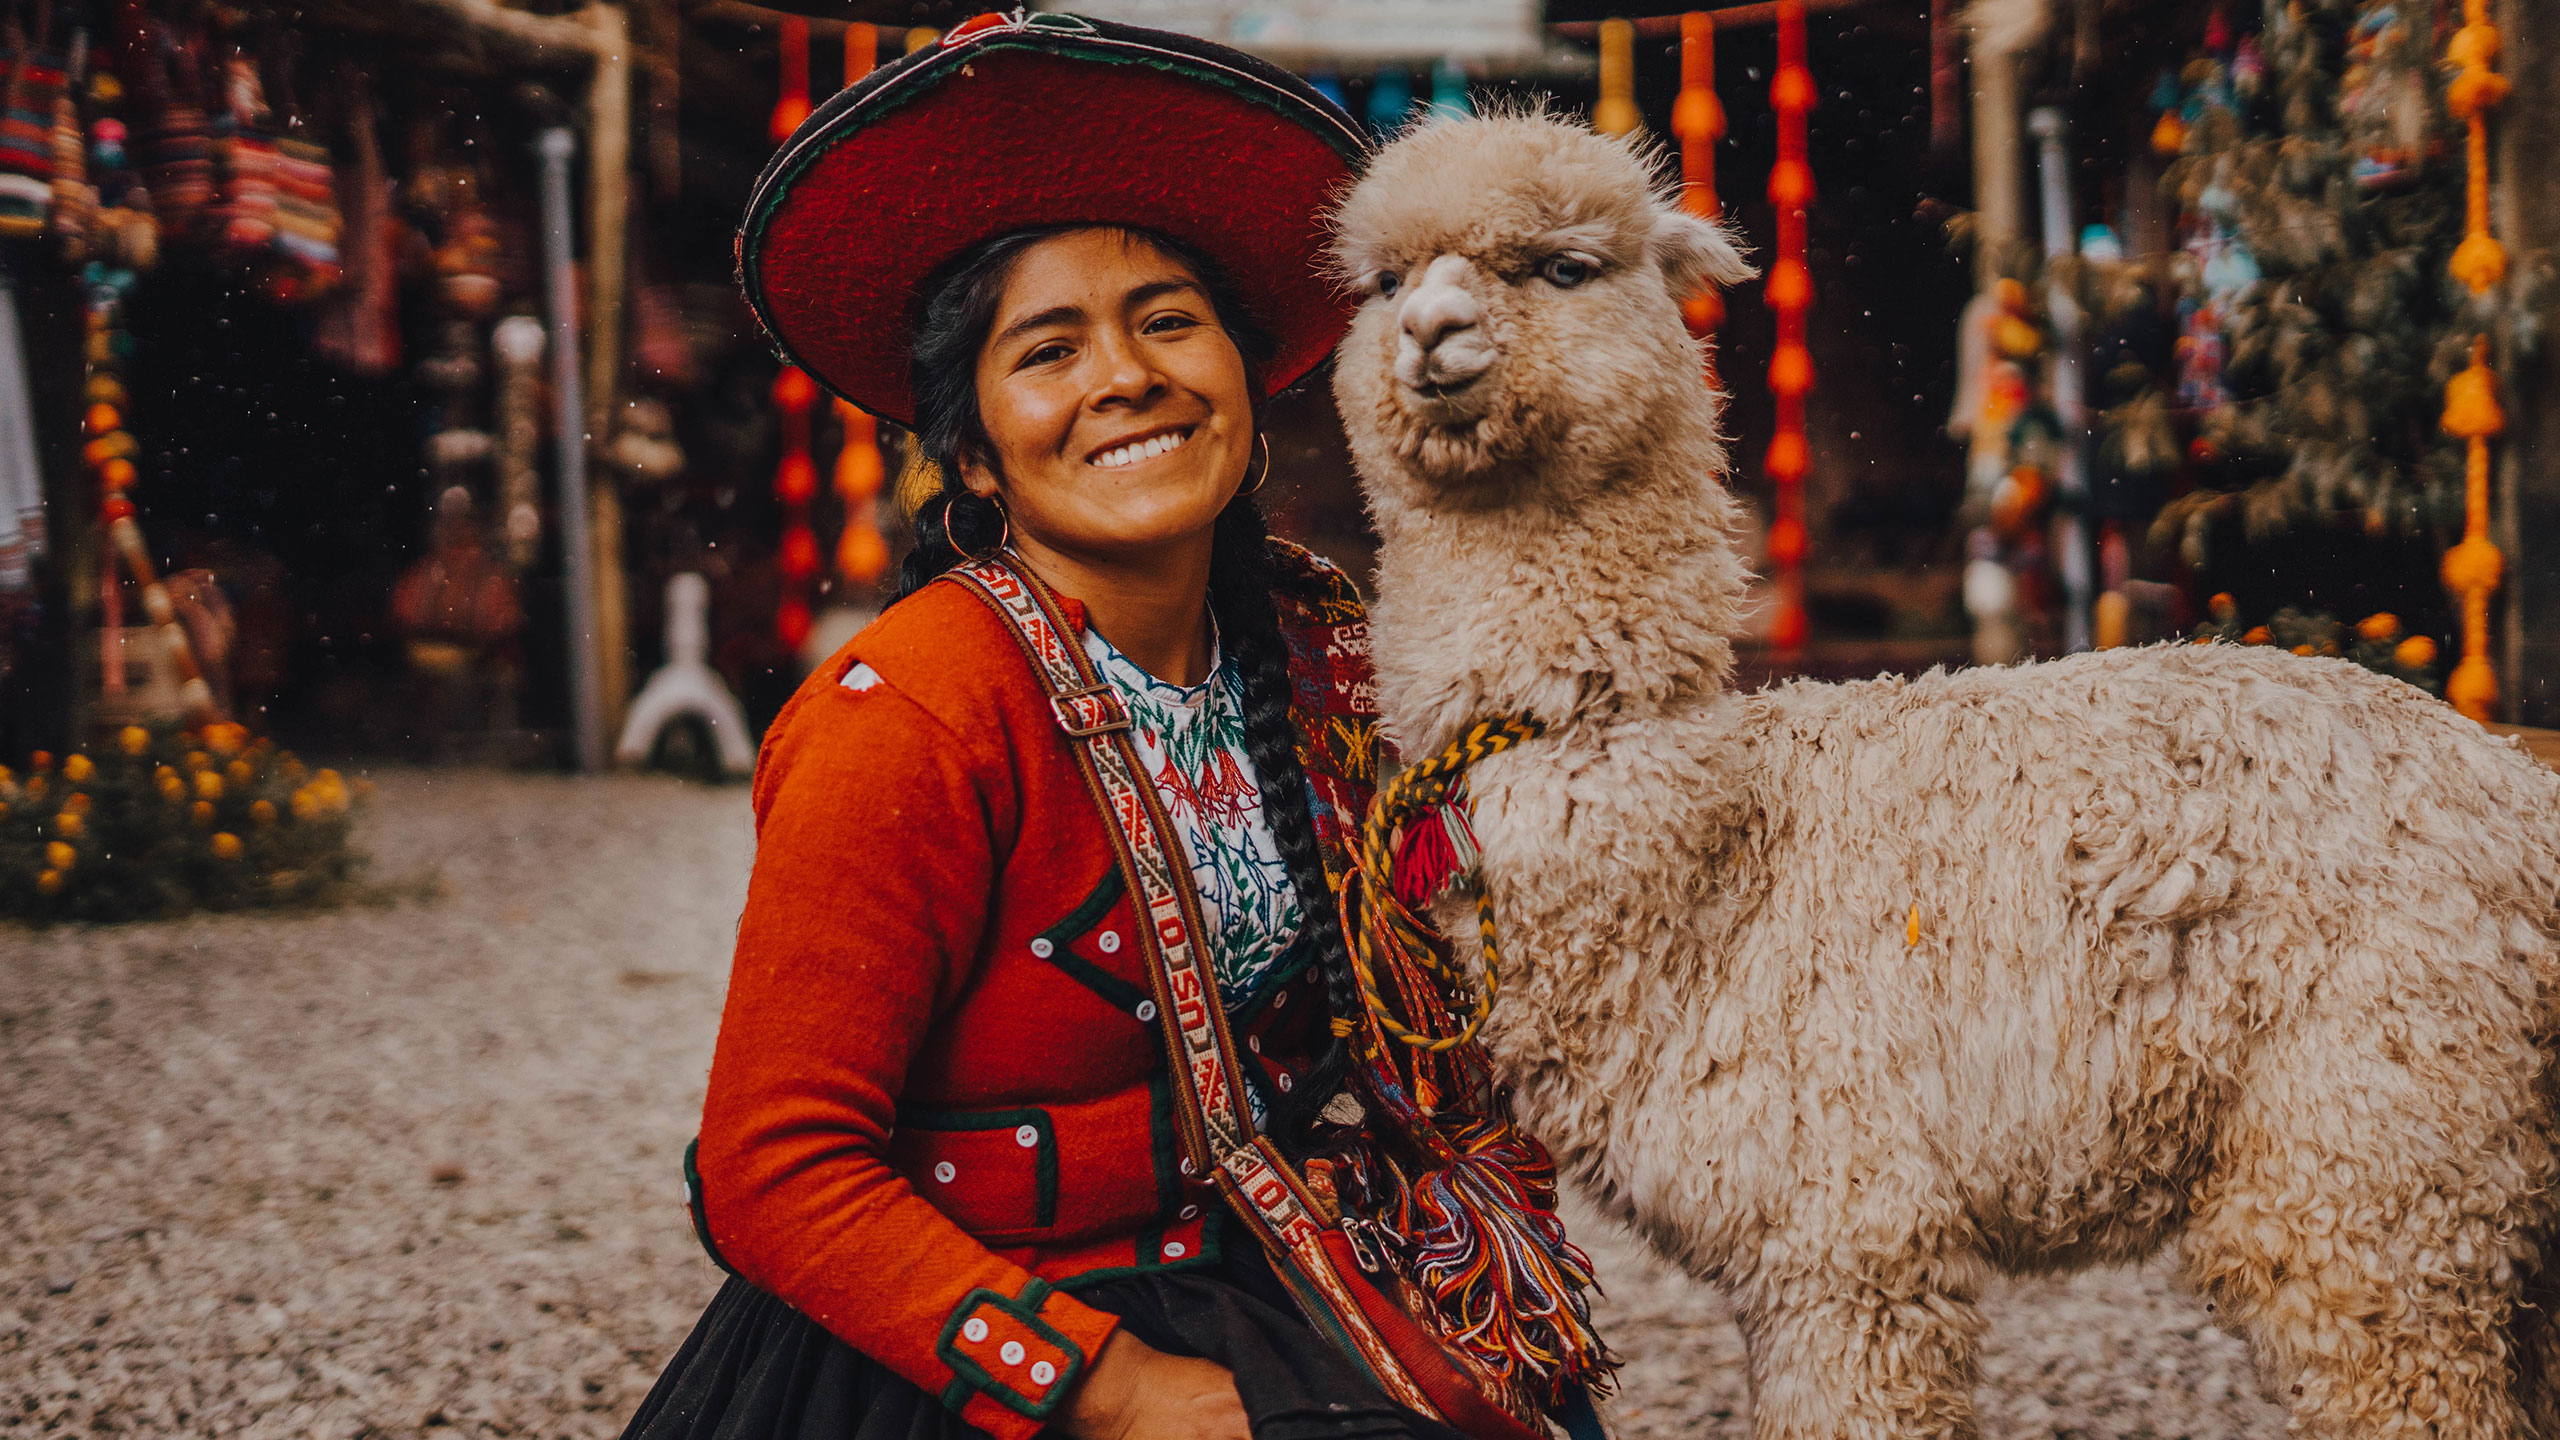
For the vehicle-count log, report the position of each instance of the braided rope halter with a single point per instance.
(1382, 928)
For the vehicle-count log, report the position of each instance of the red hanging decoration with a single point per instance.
(795, 483)
(1697, 117)
(793, 107)
(1790, 294)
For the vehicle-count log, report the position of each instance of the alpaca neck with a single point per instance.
(1613, 609)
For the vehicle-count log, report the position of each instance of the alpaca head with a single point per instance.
(1519, 328)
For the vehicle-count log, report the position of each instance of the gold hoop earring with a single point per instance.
(1003, 539)
(1265, 477)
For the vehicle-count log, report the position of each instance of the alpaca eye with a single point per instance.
(1564, 271)
(1387, 282)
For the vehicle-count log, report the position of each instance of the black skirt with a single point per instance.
(756, 1369)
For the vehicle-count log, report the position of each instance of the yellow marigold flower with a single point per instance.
(50, 882)
(208, 785)
(79, 804)
(226, 846)
(2381, 626)
(198, 760)
(306, 805)
(228, 738)
(263, 812)
(68, 824)
(134, 739)
(2257, 635)
(77, 769)
(2415, 653)
(201, 812)
(2304, 650)
(172, 789)
(60, 856)
(240, 772)
(35, 787)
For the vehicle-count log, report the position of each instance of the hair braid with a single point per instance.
(1249, 630)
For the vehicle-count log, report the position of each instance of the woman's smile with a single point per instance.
(1122, 454)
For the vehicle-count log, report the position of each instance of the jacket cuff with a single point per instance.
(1014, 1360)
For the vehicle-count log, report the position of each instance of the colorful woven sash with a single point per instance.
(1309, 1248)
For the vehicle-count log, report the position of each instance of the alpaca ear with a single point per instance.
(1694, 252)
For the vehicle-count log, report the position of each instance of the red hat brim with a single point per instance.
(1011, 124)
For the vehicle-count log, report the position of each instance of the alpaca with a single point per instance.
(1848, 996)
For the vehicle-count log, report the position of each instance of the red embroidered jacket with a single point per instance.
(939, 1103)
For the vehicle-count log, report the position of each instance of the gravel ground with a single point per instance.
(412, 1170)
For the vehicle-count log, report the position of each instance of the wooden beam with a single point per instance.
(1667, 27)
(742, 13)
(608, 252)
(567, 37)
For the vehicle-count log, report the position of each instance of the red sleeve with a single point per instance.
(873, 872)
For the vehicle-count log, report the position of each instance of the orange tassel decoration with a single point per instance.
(1790, 294)
(2474, 568)
(1697, 117)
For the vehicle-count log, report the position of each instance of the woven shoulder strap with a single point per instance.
(1216, 1126)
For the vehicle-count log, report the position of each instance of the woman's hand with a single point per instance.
(1137, 1392)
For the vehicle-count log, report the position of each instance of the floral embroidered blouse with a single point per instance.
(1191, 739)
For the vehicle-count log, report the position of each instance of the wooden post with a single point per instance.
(2527, 526)
(608, 246)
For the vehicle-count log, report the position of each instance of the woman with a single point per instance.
(943, 1153)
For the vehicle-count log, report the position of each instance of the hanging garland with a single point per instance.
(795, 483)
(1697, 117)
(1790, 294)
(2473, 568)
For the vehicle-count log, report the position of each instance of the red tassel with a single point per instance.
(1426, 863)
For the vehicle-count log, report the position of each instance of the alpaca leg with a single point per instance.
(1837, 1354)
(2365, 1222)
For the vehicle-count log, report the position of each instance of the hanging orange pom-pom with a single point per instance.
(1787, 541)
(1790, 285)
(793, 389)
(859, 470)
(795, 480)
(1791, 371)
(2473, 565)
(1703, 312)
(799, 556)
(2471, 409)
(2474, 93)
(2418, 652)
(2479, 262)
(862, 556)
(1791, 184)
(791, 623)
(1790, 459)
(1792, 91)
(2473, 689)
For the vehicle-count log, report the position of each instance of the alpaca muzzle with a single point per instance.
(1442, 347)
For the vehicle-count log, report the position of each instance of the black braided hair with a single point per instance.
(1240, 582)
(959, 309)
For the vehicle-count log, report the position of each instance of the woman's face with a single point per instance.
(1117, 406)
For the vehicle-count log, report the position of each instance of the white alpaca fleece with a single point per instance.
(1849, 995)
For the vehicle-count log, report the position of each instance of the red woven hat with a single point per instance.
(1023, 120)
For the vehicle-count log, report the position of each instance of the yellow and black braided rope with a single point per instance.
(1379, 926)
